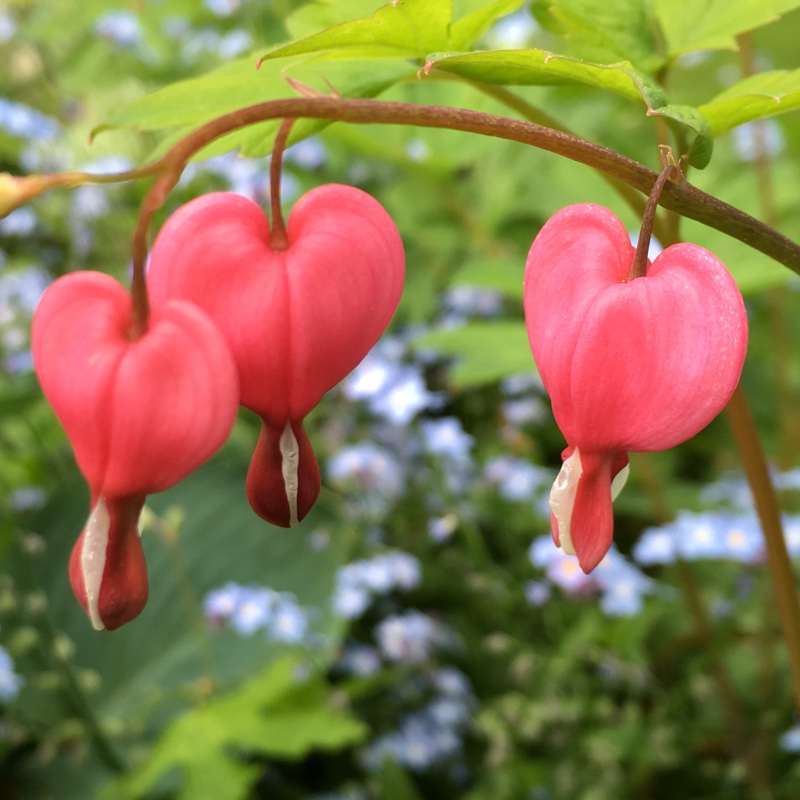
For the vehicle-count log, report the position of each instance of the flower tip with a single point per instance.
(107, 569)
(283, 481)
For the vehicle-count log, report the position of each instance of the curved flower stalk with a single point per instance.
(630, 365)
(141, 414)
(297, 317)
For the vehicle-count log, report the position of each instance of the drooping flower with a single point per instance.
(297, 319)
(141, 414)
(639, 365)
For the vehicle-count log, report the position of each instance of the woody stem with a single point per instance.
(278, 239)
(639, 265)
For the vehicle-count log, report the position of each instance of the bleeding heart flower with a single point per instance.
(141, 414)
(297, 319)
(637, 365)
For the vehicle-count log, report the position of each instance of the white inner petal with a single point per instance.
(562, 498)
(93, 559)
(290, 463)
(619, 481)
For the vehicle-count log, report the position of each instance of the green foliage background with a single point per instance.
(169, 708)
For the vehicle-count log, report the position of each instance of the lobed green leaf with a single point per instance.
(483, 351)
(762, 95)
(690, 25)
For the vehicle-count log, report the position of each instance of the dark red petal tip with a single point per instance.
(283, 481)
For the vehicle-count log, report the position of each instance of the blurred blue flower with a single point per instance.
(223, 8)
(760, 137)
(515, 478)
(446, 437)
(440, 529)
(10, 682)
(20, 222)
(121, 27)
(288, 622)
(409, 638)
(730, 489)
(418, 150)
(463, 302)
(350, 602)
(249, 609)
(653, 249)
(309, 154)
(513, 31)
(359, 581)
(451, 681)
(25, 122)
(791, 531)
(523, 383)
(656, 546)
(564, 571)
(537, 593)
(522, 410)
(393, 390)
(790, 741)
(360, 660)
(373, 469)
(8, 26)
(234, 43)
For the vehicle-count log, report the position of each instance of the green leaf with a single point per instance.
(188, 104)
(146, 666)
(688, 118)
(396, 783)
(714, 24)
(541, 68)
(406, 29)
(503, 276)
(758, 96)
(484, 351)
(603, 30)
(280, 714)
(467, 30)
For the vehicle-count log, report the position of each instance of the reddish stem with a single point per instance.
(279, 240)
(639, 265)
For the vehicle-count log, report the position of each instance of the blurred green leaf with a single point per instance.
(758, 96)
(396, 783)
(714, 24)
(604, 30)
(147, 668)
(281, 713)
(504, 276)
(483, 351)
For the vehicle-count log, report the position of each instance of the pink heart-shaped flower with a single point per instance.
(141, 414)
(637, 365)
(297, 319)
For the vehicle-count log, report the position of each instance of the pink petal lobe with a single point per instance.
(283, 481)
(635, 366)
(141, 415)
(592, 520)
(296, 321)
(107, 568)
(78, 340)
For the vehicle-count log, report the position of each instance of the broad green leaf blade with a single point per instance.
(758, 96)
(466, 31)
(484, 351)
(188, 104)
(318, 15)
(277, 714)
(541, 68)
(503, 276)
(405, 29)
(145, 666)
(604, 30)
(714, 24)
